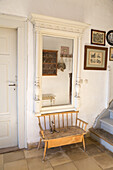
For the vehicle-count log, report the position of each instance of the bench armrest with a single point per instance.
(41, 131)
(82, 124)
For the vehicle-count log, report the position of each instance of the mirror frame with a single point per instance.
(54, 27)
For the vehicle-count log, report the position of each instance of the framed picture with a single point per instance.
(111, 54)
(98, 37)
(95, 58)
(65, 52)
(109, 37)
(49, 63)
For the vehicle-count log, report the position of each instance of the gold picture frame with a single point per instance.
(95, 58)
(111, 54)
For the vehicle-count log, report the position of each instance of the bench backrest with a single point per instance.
(63, 119)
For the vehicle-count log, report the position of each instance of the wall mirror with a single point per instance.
(57, 58)
(57, 70)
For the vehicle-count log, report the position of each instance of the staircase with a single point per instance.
(102, 130)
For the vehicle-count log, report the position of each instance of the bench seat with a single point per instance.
(64, 132)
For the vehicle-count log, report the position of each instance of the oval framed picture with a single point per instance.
(109, 37)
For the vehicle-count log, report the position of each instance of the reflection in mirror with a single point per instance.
(57, 71)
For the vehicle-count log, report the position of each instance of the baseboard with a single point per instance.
(9, 149)
(34, 145)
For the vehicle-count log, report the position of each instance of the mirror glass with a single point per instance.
(57, 67)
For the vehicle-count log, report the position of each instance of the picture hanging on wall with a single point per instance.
(109, 37)
(65, 52)
(111, 54)
(98, 37)
(95, 58)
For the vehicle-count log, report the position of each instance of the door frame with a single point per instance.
(20, 24)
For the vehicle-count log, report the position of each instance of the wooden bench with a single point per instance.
(69, 129)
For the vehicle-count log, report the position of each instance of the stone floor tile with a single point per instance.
(67, 166)
(58, 158)
(53, 150)
(1, 159)
(16, 165)
(13, 156)
(104, 160)
(109, 168)
(109, 152)
(1, 167)
(93, 150)
(68, 147)
(89, 141)
(37, 164)
(87, 164)
(76, 154)
(33, 153)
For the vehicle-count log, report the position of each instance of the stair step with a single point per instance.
(111, 114)
(107, 125)
(103, 137)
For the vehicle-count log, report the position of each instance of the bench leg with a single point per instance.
(83, 143)
(39, 143)
(45, 148)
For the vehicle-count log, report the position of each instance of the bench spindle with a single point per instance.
(71, 119)
(82, 125)
(67, 120)
(63, 120)
(54, 118)
(76, 118)
(45, 122)
(79, 123)
(58, 121)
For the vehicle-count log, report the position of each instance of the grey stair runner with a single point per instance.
(107, 124)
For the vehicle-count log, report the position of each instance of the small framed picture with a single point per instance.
(109, 37)
(95, 58)
(111, 54)
(98, 37)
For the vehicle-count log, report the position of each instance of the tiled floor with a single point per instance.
(71, 157)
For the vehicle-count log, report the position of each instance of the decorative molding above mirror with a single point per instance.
(57, 56)
(41, 21)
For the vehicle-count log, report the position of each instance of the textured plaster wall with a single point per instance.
(94, 89)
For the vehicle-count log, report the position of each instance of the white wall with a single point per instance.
(97, 13)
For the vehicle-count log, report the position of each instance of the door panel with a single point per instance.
(3, 88)
(8, 109)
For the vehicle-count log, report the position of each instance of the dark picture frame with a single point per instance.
(109, 37)
(111, 54)
(95, 58)
(49, 62)
(98, 37)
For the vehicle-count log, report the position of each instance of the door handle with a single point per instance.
(12, 84)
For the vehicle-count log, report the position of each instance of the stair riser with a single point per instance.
(104, 143)
(107, 127)
(111, 115)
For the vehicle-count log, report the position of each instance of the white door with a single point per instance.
(8, 108)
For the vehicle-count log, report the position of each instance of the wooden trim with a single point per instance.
(56, 113)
